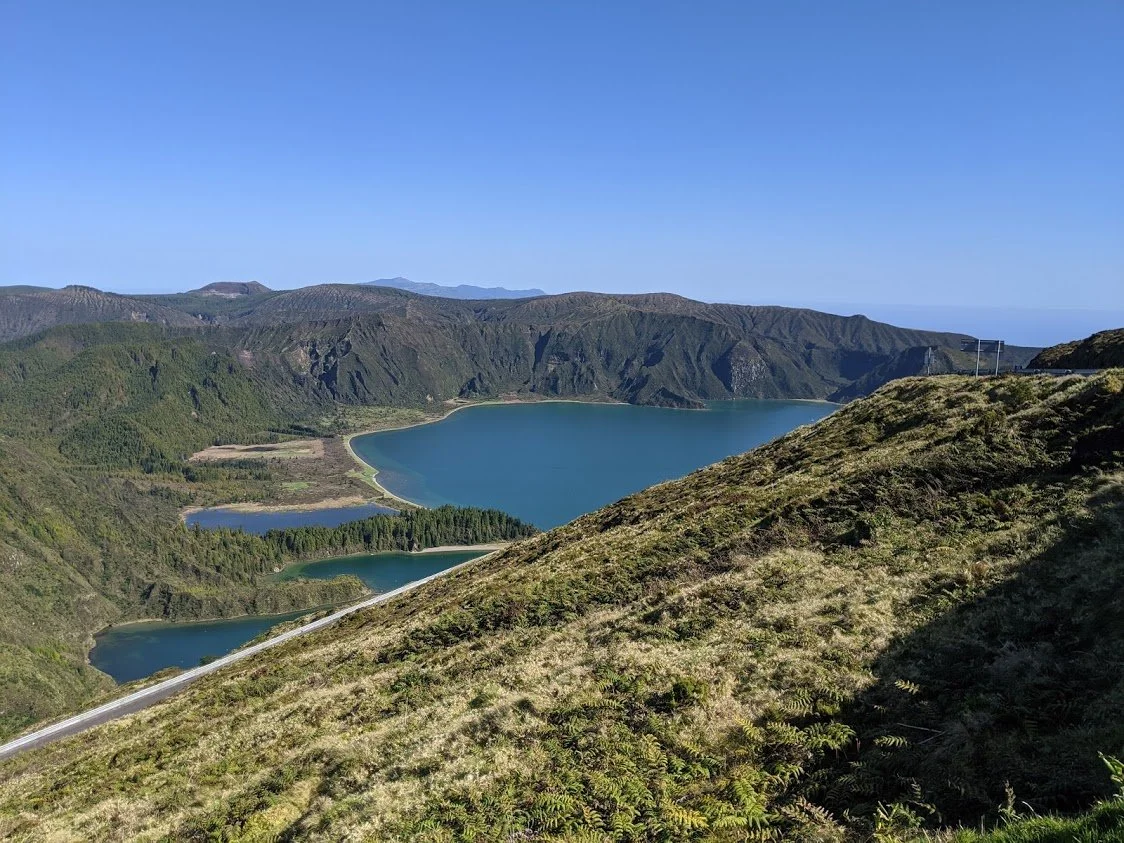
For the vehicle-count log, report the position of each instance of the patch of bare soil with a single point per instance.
(297, 448)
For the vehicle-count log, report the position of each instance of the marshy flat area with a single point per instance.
(292, 449)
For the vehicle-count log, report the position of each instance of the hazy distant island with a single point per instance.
(460, 291)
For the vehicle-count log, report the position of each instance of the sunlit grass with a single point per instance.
(868, 630)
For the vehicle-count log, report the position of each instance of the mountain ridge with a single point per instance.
(233, 288)
(644, 348)
(27, 310)
(1099, 351)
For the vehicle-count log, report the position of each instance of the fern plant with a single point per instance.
(1115, 772)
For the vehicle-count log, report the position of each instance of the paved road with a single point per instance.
(162, 690)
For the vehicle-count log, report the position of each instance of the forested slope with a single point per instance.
(95, 425)
(903, 617)
(362, 344)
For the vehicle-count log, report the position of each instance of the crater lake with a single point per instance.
(551, 461)
(546, 462)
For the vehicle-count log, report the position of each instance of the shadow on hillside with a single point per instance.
(1023, 684)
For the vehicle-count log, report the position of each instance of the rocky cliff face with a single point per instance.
(741, 368)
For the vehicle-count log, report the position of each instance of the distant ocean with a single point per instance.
(1015, 325)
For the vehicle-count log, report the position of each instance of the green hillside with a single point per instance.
(903, 618)
(354, 343)
(95, 425)
(1100, 351)
(126, 396)
(27, 310)
(383, 345)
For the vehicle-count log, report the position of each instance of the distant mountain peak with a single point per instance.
(230, 289)
(461, 291)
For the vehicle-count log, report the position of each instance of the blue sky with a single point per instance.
(884, 153)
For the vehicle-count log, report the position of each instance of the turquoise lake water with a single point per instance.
(137, 650)
(546, 463)
(550, 462)
(140, 649)
(380, 571)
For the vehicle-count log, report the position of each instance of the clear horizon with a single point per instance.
(902, 156)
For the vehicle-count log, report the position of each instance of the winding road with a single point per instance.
(153, 694)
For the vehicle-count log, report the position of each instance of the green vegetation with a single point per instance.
(124, 396)
(898, 623)
(368, 345)
(95, 424)
(209, 308)
(81, 549)
(414, 529)
(1103, 824)
(361, 419)
(26, 310)
(1100, 351)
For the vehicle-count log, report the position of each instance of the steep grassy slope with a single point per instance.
(1100, 351)
(918, 360)
(873, 625)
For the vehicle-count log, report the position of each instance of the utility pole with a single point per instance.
(982, 346)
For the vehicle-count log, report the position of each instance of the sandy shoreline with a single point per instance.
(369, 473)
(497, 402)
(452, 548)
(256, 507)
(288, 449)
(139, 621)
